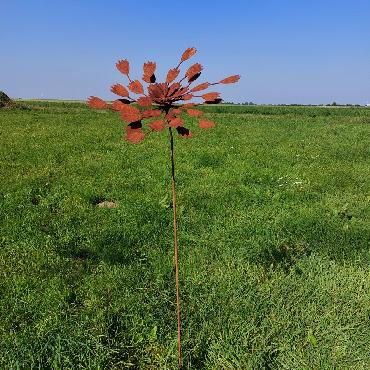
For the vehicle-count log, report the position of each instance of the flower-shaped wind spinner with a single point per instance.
(163, 105)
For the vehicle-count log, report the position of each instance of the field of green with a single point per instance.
(274, 234)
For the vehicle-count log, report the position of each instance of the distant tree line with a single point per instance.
(245, 103)
(333, 104)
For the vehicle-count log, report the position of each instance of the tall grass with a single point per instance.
(274, 233)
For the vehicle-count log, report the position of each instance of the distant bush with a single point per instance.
(5, 100)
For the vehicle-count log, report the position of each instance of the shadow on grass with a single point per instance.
(285, 255)
(113, 247)
(336, 244)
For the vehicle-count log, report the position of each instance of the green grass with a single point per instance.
(274, 234)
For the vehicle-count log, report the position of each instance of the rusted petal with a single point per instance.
(151, 113)
(157, 125)
(172, 74)
(130, 109)
(187, 105)
(175, 122)
(146, 79)
(184, 132)
(130, 113)
(211, 96)
(200, 87)
(187, 97)
(136, 87)
(118, 105)
(194, 70)
(123, 66)
(120, 90)
(194, 112)
(134, 135)
(97, 103)
(130, 117)
(188, 53)
(149, 70)
(230, 80)
(205, 124)
(175, 111)
(144, 101)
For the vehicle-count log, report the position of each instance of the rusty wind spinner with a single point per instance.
(159, 108)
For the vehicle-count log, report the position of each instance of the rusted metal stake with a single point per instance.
(176, 247)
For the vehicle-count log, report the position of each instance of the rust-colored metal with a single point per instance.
(161, 106)
(176, 251)
(170, 98)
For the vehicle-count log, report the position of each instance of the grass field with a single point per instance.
(274, 234)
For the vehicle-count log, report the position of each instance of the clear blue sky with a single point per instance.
(313, 51)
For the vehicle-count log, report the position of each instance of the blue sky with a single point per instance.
(286, 51)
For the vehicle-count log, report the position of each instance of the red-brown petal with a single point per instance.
(172, 74)
(184, 106)
(144, 101)
(157, 125)
(188, 53)
(205, 124)
(175, 122)
(194, 112)
(117, 105)
(135, 135)
(120, 90)
(175, 111)
(97, 103)
(187, 97)
(136, 87)
(211, 96)
(193, 70)
(230, 79)
(200, 87)
(151, 113)
(149, 70)
(129, 113)
(123, 66)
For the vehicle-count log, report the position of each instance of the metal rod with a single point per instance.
(176, 248)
